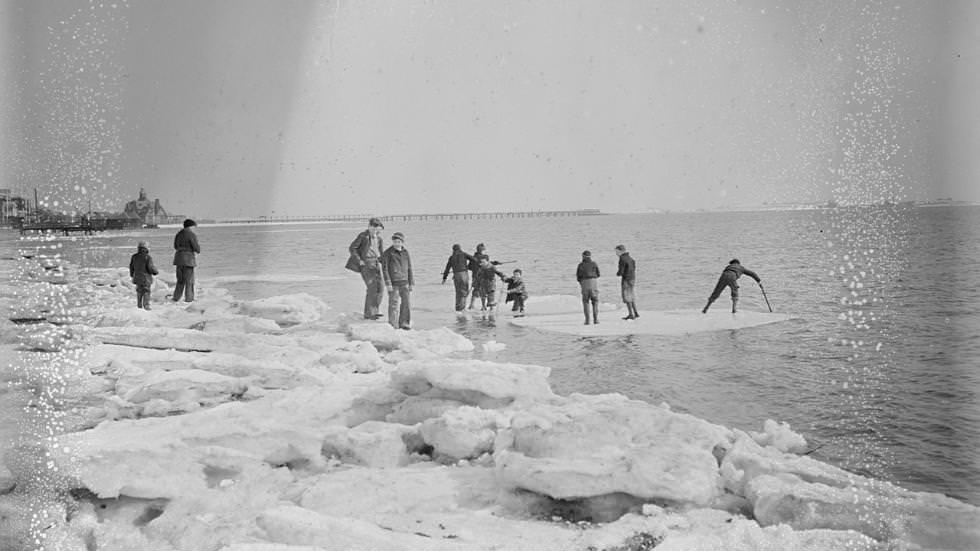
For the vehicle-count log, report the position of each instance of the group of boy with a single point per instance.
(484, 274)
(587, 275)
(391, 269)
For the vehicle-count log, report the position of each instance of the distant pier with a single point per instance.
(69, 226)
(407, 217)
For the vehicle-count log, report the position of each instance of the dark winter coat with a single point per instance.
(474, 262)
(459, 261)
(737, 270)
(515, 288)
(484, 281)
(360, 247)
(396, 266)
(141, 268)
(627, 268)
(587, 269)
(185, 245)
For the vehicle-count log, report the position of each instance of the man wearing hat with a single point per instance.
(396, 266)
(365, 255)
(185, 251)
(588, 278)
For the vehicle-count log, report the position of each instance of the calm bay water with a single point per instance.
(879, 372)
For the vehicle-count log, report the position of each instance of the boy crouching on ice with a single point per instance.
(142, 270)
(516, 292)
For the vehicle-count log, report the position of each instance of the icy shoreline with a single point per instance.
(280, 425)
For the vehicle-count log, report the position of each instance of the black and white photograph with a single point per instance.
(460, 275)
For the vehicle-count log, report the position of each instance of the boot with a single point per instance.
(585, 310)
(595, 313)
(734, 303)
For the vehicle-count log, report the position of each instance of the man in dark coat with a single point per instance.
(365, 255)
(729, 278)
(186, 249)
(587, 275)
(458, 264)
(627, 271)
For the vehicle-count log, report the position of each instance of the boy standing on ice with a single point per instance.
(396, 267)
(587, 275)
(141, 271)
(627, 270)
(729, 278)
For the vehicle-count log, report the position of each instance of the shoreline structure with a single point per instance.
(280, 425)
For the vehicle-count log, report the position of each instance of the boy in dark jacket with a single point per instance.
(396, 268)
(587, 275)
(474, 265)
(459, 264)
(627, 271)
(516, 292)
(142, 270)
(729, 278)
(485, 285)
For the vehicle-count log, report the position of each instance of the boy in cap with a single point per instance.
(458, 264)
(141, 271)
(365, 253)
(396, 268)
(627, 271)
(587, 275)
(729, 278)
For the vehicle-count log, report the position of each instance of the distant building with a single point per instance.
(150, 213)
(13, 209)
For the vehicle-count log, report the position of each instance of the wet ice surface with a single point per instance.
(671, 322)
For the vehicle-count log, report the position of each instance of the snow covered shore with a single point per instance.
(280, 425)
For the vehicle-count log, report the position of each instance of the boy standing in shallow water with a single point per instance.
(486, 285)
(516, 292)
(141, 271)
(587, 275)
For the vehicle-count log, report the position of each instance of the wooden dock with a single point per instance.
(363, 218)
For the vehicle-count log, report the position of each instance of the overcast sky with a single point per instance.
(245, 107)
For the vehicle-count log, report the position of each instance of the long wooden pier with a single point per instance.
(406, 217)
(68, 226)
